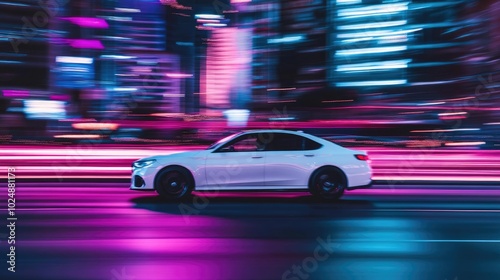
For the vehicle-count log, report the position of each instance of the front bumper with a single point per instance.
(142, 179)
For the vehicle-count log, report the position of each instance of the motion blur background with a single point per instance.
(89, 87)
(362, 72)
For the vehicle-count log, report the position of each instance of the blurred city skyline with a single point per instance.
(377, 67)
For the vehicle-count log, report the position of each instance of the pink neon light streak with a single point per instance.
(16, 93)
(390, 165)
(85, 44)
(88, 22)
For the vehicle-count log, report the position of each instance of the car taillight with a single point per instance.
(362, 157)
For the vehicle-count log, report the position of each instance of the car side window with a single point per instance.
(311, 145)
(244, 143)
(285, 142)
(291, 142)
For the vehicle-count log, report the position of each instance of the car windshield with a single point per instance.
(223, 140)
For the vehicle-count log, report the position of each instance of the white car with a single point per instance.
(257, 160)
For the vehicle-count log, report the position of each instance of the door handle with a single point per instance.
(256, 156)
(309, 155)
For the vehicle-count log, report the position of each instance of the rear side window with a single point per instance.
(311, 145)
(291, 142)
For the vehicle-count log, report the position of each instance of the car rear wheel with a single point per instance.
(174, 183)
(328, 183)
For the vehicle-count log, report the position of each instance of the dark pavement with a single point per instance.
(104, 231)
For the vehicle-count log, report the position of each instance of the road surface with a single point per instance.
(90, 230)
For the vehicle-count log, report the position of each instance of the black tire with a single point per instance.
(328, 183)
(174, 183)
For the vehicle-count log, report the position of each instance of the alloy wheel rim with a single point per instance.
(174, 183)
(328, 184)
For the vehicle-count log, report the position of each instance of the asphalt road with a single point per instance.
(104, 231)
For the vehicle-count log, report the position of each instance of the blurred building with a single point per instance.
(24, 47)
(294, 46)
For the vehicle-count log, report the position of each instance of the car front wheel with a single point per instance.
(174, 183)
(328, 183)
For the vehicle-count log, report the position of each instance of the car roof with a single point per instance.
(294, 132)
(297, 132)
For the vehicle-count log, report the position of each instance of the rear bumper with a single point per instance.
(362, 187)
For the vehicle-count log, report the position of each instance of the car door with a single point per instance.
(238, 164)
(289, 160)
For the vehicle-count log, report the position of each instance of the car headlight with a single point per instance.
(143, 163)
